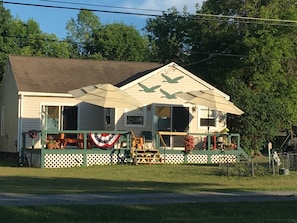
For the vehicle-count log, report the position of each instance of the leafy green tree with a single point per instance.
(29, 40)
(118, 41)
(265, 84)
(115, 41)
(5, 41)
(26, 38)
(254, 61)
(81, 32)
(168, 37)
(217, 46)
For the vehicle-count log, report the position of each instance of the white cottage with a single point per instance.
(34, 96)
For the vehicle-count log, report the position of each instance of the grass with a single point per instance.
(144, 179)
(276, 212)
(135, 179)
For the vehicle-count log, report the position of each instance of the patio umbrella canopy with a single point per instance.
(210, 99)
(106, 95)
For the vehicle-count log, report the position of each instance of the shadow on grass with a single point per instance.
(243, 212)
(8, 164)
(36, 185)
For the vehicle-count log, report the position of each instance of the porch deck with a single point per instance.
(124, 151)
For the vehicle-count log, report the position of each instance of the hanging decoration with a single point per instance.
(104, 140)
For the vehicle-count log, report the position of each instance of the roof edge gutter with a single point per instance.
(45, 94)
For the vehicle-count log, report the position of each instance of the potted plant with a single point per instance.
(285, 165)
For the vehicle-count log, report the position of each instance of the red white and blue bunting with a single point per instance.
(104, 140)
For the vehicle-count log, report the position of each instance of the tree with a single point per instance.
(217, 45)
(5, 41)
(254, 61)
(29, 40)
(265, 82)
(115, 41)
(26, 38)
(168, 37)
(118, 41)
(81, 32)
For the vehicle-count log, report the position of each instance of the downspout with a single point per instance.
(115, 121)
(20, 122)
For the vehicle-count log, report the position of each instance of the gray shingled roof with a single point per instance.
(54, 75)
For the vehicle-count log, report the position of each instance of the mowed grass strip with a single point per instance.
(136, 179)
(243, 212)
(142, 179)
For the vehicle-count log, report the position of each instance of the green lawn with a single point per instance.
(144, 179)
(136, 179)
(276, 212)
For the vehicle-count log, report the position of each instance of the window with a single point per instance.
(52, 118)
(135, 117)
(207, 117)
(56, 118)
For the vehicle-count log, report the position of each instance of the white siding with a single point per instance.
(9, 99)
(186, 82)
(91, 117)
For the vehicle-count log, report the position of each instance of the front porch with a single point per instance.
(79, 153)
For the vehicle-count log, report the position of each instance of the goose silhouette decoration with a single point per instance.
(171, 80)
(168, 95)
(148, 89)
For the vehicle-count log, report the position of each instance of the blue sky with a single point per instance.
(52, 20)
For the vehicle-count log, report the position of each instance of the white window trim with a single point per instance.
(199, 115)
(60, 105)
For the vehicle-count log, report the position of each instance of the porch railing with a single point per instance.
(121, 152)
(209, 141)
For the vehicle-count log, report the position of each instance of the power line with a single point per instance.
(205, 17)
(37, 38)
(78, 9)
(247, 18)
(103, 6)
(210, 55)
(245, 22)
(277, 22)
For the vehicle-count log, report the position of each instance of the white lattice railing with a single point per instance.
(64, 160)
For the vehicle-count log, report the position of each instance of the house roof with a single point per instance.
(56, 75)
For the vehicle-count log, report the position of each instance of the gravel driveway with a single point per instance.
(10, 199)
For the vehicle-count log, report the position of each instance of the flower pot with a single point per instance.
(284, 171)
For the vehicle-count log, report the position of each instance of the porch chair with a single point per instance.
(60, 139)
(148, 139)
(80, 141)
(137, 142)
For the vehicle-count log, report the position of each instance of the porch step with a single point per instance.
(147, 156)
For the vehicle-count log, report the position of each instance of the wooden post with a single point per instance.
(269, 146)
(273, 170)
(253, 169)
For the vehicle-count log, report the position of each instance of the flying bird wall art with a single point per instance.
(168, 95)
(171, 80)
(148, 89)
